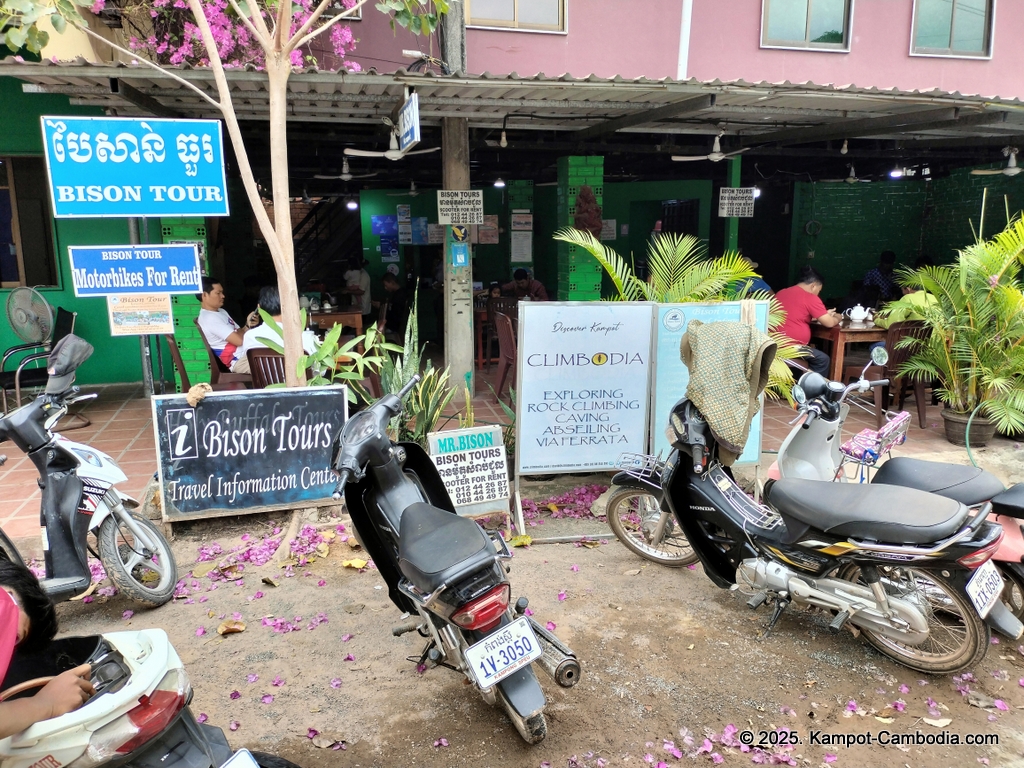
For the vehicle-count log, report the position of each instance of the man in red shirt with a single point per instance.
(27, 616)
(802, 305)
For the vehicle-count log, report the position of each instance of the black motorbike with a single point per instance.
(444, 570)
(909, 569)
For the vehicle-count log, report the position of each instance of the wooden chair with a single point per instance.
(221, 376)
(179, 364)
(505, 306)
(506, 350)
(897, 384)
(267, 367)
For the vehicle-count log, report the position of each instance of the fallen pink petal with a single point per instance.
(251, 678)
(574, 568)
(321, 583)
(829, 758)
(234, 725)
(127, 615)
(202, 718)
(1001, 705)
(904, 689)
(561, 596)
(278, 681)
(851, 706)
(551, 626)
(349, 657)
(717, 758)
(441, 743)
(336, 682)
(200, 631)
(346, 638)
(235, 695)
(312, 733)
(266, 698)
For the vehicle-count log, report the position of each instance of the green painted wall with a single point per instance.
(115, 359)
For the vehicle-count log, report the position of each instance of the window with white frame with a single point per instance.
(953, 27)
(812, 24)
(542, 15)
(26, 237)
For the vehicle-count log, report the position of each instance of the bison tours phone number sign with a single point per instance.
(473, 467)
(237, 452)
(582, 389)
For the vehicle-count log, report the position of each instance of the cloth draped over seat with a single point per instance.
(728, 364)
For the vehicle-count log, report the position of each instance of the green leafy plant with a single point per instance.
(976, 346)
(508, 431)
(681, 272)
(334, 362)
(431, 396)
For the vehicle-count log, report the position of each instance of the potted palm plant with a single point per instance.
(976, 347)
(681, 272)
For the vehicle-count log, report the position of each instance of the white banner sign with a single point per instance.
(460, 206)
(582, 384)
(736, 201)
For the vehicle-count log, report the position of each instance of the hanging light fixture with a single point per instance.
(499, 183)
(352, 204)
(846, 147)
(896, 173)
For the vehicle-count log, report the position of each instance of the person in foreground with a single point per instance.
(803, 305)
(270, 302)
(27, 618)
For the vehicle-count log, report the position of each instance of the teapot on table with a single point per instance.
(858, 314)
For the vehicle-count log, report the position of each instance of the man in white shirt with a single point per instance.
(270, 302)
(222, 333)
(357, 284)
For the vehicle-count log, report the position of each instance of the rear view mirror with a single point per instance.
(799, 395)
(879, 356)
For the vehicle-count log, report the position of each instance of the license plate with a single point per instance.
(501, 653)
(985, 588)
(241, 759)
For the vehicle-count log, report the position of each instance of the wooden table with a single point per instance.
(843, 334)
(479, 321)
(327, 320)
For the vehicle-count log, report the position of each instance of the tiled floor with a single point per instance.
(122, 427)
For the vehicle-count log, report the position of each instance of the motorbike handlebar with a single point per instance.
(880, 383)
(811, 416)
(339, 490)
(409, 387)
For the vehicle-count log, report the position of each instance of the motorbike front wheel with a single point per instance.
(636, 519)
(957, 637)
(143, 571)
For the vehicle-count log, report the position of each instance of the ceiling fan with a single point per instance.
(716, 154)
(411, 193)
(346, 174)
(393, 152)
(851, 179)
(1011, 169)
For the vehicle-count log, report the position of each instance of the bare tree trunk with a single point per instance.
(278, 70)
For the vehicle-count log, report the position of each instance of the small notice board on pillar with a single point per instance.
(474, 468)
(736, 201)
(460, 206)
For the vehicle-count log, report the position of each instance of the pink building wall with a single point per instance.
(725, 44)
(604, 39)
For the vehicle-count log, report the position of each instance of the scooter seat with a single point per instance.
(968, 485)
(889, 514)
(1010, 502)
(438, 547)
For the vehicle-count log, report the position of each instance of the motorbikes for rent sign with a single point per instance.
(115, 270)
(582, 384)
(123, 167)
(246, 451)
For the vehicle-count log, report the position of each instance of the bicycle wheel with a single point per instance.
(636, 518)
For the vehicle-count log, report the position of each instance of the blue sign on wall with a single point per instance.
(109, 270)
(108, 167)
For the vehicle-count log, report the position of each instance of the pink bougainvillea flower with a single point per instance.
(716, 758)
(88, 599)
(312, 733)
(994, 640)
(256, 596)
(349, 657)
(1001, 705)
(561, 596)
(267, 698)
(691, 567)
(252, 678)
(127, 615)
(649, 758)
(441, 743)
(574, 568)
(899, 705)
(278, 682)
(234, 725)
(346, 638)
(551, 626)
(200, 631)
(203, 599)
(851, 706)
(528, 612)
(830, 758)
(707, 746)
(922, 682)
(336, 682)
(235, 695)
(202, 718)
(904, 689)
(321, 583)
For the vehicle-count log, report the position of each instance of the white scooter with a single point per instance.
(79, 497)
(138, 717)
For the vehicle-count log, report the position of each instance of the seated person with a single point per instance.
(522, 287)
(802, 305)
(27, 617)
(222, 333)
(397, 313)
(270, 302)
(882, 278)
(752, 284)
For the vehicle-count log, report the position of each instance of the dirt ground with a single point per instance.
(669, 660)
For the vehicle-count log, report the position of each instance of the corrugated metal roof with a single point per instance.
(538, 102)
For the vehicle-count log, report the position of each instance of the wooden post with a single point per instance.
(732, 224)
(458, 281)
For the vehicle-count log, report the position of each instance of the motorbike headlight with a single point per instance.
(359, 428)
(676, 429)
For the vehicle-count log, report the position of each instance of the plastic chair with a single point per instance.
(505, 306)
(220, 376)
(506, 350)
(267, 367)
(23, 377)
(897, 383)
(179, 364)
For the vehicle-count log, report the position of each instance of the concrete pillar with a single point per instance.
(453, 37)
(458, 281)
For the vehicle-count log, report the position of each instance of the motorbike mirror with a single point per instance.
(879, 356)
(799, 395)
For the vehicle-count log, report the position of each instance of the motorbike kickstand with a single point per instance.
(781, 604)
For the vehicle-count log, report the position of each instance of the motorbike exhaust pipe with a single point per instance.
(556, 658)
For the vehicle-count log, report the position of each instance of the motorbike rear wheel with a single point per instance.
(148, 577)
(8, 551)
(1013, 591)
(958, 638)
(635, 517)
(532, 729)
